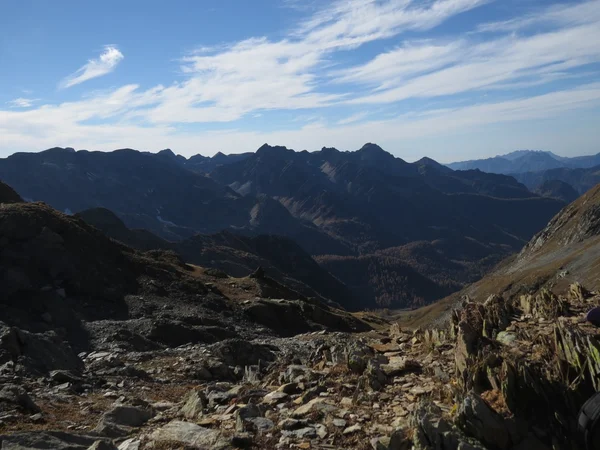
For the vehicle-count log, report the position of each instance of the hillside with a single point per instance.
(555, 188)
(566, 251)
(237, 255)
(581, 180)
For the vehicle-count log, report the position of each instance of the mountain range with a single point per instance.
(365, 216)
(521, 161)
(536, 169)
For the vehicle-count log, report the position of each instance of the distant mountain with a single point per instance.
(373, 201)
(353, 205)
(526, 161)
(581, 180)
(557, 189)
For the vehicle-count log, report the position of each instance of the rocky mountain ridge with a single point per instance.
(441, 228)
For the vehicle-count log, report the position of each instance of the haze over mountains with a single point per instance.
(366, 216)
(535, 169)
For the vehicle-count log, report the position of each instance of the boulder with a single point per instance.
(358, 356)
(177, 433)
(15, 395)
(244, 415)
(433, 431)
(37, 353)
(194, 405)
(239, 352)
(399, 365)
(479, 420)
(120, 419)
(316, 404)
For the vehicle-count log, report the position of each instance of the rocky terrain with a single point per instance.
(364, 210)
(106, 347)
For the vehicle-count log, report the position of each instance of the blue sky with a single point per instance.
(448, 79)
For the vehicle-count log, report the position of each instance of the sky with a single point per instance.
(448, 79)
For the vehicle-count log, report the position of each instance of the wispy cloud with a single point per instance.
(22, 102)
(449, 68)
(104, 64)
(260, 74)
(353, 118)
(580, 13)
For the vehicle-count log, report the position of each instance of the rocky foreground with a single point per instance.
(104, 347)
(503, 375)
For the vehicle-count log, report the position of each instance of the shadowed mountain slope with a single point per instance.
(8, 194)
(237, 255)
(566, 251)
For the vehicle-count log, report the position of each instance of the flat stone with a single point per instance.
(261, 424)
(352, 429)
(340, 423)
(316, 404)
(130, 444)
(507, 338)
(101, 445)
(275, 397)
(190, 434)
(302, 433)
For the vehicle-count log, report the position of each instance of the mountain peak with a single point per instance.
(59, 150)
(267, 149)
(372, 148)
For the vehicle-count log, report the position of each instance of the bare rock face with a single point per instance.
(482, 422)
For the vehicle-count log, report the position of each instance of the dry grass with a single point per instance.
(81, 413)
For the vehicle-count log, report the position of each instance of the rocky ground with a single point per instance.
(506, 374)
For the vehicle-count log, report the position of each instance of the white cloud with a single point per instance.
(104, 64)
(561, 15)
(353, 118)
(22, 102)
(226, 83)
(434, 70)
